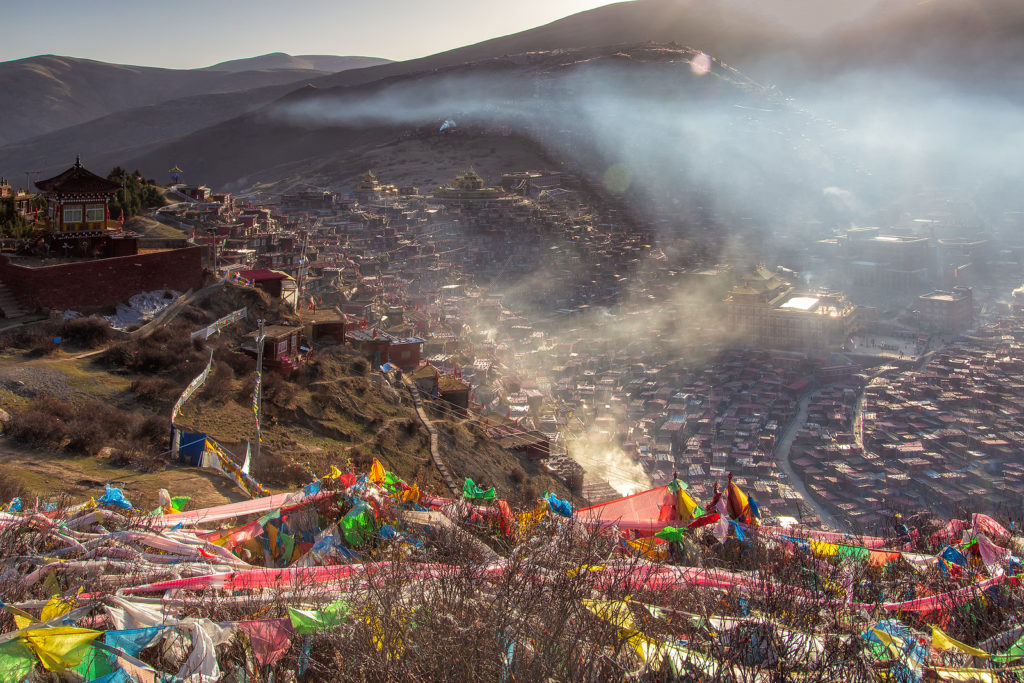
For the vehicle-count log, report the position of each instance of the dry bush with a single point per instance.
(85, 427)
(25, 337)
(87, 333)
(155, 389)
(219, 382)
(168, 351)
(241, 363)
(276, 470)
(43, 422)
(277, 391)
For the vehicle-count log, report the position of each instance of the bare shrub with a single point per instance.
(155, 389)
(87, 333)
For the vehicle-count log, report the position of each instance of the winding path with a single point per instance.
(435, 451)
(782, 452)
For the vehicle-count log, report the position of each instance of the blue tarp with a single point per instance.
(190, 448)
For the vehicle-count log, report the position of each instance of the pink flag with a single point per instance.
(270, 638)
(989, 527)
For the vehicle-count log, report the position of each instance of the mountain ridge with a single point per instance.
(283, 60)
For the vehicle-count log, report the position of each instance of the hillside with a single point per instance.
(50, 92)
(113, 113)
(785, 42)
(106, 412)
(519, 97)
(105, 141)
(281, 60)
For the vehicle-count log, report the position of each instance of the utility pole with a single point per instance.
(258, 391)
(28, 180)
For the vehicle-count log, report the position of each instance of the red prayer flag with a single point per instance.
(270, 638)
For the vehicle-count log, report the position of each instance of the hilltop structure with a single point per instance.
(78, 201)
(467, 188)
(370, 189)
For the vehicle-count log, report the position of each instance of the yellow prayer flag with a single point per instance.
(62, 647)
(410, 495)
(940, 641)
(615, 612)
(823, 549)
(686, 505)
(56, 607)
(587, 568)
(377, 472)
(650, 547)
(333, 474)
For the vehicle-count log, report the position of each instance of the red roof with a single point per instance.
(262, 275)
(78, 180)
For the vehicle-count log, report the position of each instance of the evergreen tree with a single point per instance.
(136, 195)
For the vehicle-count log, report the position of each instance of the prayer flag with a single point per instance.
(940, 641)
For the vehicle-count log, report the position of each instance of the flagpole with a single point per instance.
(259, 390)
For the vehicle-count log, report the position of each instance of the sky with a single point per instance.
(195, 33)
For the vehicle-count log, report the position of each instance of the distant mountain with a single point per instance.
(281, 60)
(107, 141)
(49, 92)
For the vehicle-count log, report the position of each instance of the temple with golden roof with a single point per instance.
(764, 310)
(370, 189)
(468, 187)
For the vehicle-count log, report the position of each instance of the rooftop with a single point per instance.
(78, 180)
(801, 303)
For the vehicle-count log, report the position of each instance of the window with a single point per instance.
(94, 213)
(73, 213)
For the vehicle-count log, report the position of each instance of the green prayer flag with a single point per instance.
(286, 544)
(357, 525)
(307, 621)
(94, 664)
(846, 552)
(474, 492)
(391, 481)
(179, 502)
(1015, 652)
(670, 533)
(16, 662)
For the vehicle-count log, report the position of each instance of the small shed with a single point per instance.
(280, 346)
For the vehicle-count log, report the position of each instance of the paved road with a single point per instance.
(782, 458)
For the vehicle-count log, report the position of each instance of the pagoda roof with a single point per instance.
(78, 180)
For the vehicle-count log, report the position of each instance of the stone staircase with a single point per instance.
(8, 304)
